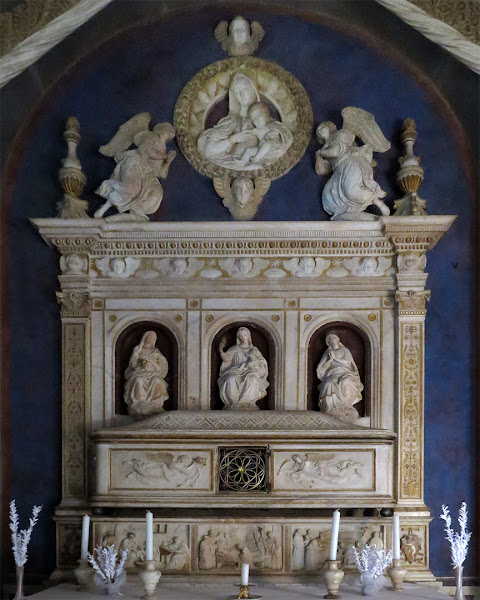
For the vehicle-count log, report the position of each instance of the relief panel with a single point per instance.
(223, 547)
(334, 470)
(159, 469)
(171, 543)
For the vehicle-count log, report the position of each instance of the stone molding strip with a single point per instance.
(436, 31)
(38, 44)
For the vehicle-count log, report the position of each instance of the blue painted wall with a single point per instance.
(144, 69)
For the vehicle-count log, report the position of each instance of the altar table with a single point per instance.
(168, 590)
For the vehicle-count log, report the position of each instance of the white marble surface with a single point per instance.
(168, 590)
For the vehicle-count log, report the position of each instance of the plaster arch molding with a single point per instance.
(24, 52)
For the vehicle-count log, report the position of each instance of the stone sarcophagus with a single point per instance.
(284, 362)
(226, 459)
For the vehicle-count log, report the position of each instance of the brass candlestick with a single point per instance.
(149, 576)
(83, 573)
(397, 574)
(333, 576)
(244, 594)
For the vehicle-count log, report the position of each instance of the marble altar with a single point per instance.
(169, 590)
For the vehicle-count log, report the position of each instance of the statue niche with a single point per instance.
(133, 349)
(357, 345)
(252, 377)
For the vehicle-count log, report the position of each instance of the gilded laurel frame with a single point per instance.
(210, 85)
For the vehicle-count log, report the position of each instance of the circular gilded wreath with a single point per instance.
(210, 86)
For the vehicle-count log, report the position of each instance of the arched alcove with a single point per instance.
(356, 340)
(124, 346)
(263, 340)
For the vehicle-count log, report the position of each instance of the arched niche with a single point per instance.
(356, 340)
(263, 340)
(124, 346)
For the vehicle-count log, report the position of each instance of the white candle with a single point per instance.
(149, 536)
(244, 574)
(85, 534)
(396, 536)
(334, 538)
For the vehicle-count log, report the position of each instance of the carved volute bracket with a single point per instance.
(73, 304)
(412, 302)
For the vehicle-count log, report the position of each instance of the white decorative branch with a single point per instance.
(106, 565)
(436, 31)
(372, 560)
(21, 539)
(458, 541)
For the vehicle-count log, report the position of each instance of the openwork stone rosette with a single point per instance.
(210, 86)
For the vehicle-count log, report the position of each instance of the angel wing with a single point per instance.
(222, 187)
(162, 265)
(161, 457)
(103, 264)
(132, 265)
(321, 264)
(257, 32)
(194, 264)
(221, 34)
(364, 126)
(384, 265)
(262, 185)
(125, 134)
(258, 265)
(317, 457)
(352, 264)
(285, 462)
(291, 265)
(228, 265)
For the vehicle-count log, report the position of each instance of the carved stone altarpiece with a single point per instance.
(289, 280)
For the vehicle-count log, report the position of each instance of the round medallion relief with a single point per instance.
(243, 116)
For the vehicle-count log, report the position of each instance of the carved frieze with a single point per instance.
(323, 470)
(180, 470)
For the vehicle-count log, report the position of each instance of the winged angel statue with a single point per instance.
(133, 186)
(351, 188)
(236, 39)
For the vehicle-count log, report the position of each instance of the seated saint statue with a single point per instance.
(340, 386)
(243, 373)
(145, 386)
